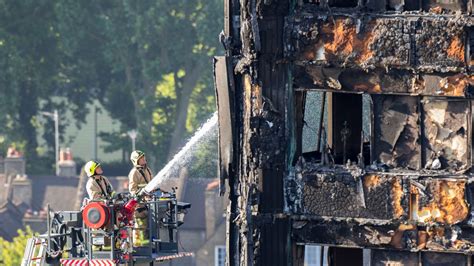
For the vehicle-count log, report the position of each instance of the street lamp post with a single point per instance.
(133, 135)
(55, 117)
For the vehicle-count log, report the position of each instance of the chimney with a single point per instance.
(67, 166)
(14, 163)
(213, 208)
(21, 190)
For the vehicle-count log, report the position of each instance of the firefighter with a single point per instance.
(98, 186)
(138, 178)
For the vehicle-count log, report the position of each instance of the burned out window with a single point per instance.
(338, 125)
(395, 5)
(367, 126)
(375, 5)
(346, 256)
(366, 115)
(345, 126)
(412, 5)
(395, 258)
(343, 3)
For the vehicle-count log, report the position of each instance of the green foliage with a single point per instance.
(117, 168)
(148, 62)
(12, 252)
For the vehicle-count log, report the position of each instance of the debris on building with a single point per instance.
(378, 168)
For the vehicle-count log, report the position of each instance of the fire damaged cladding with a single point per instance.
(388, 236)
(226, 112)
(343, 206)
(391, 81)
(253, 39)
(343, 42)
(400, 134)
(399, 178)
(379, 196)
(323, 48)
(447, 133)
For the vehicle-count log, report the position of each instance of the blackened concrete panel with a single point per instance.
(442, 259)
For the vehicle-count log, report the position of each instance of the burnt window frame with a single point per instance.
(330, 133)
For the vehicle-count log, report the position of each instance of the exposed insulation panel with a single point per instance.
(440, 42)
(444, 202)
(347, 194)
(343, 41)
(426, 43)
(343, 195)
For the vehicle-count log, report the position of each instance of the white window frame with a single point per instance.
(216, 255)
(312, 255)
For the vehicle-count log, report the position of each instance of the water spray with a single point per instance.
(183, 155)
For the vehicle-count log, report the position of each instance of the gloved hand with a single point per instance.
(116, 196)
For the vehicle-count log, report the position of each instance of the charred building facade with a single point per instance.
(347, 124)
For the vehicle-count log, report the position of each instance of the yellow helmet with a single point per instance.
(90, 168)
(135, 156)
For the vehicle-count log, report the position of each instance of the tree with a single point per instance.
(24, 68)
(155, 59)
(31, 72)
(148, 62)
(12, 252)
(203, 163)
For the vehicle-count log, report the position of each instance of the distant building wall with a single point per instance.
(192, 239)
(206, 254)
(81, 140)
